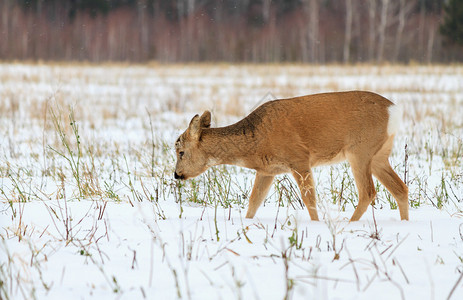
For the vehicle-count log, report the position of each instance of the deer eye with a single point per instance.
(180, 154)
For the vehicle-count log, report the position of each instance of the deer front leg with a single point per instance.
(361, 168)
(306, 186)
(260, 189)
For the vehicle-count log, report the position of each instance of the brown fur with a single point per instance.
(295, 135)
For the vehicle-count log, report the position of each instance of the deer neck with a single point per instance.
(227, 146)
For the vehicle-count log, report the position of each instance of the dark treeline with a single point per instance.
(313, 31)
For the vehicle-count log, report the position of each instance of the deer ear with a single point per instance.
(205, 120)
(194, 128)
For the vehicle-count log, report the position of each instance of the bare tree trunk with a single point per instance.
(404, 9)
(5, 28)
(144, 33)
(421, 30)
(432, 33)
(39, 8)
(193, 41)
(303, 41)
(357, 37)
(266, 10)
(382, 29)
(313, 30)
(111, 44)
(191, 6)
(372, 29)
(192, 44)
(400, 29)
(348, 32)
(275, 42)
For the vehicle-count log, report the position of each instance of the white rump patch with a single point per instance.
(395, 118)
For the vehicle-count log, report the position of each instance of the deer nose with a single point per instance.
(176, 176)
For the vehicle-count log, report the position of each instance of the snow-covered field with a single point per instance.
(89, 208)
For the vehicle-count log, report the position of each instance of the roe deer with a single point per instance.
(297, 134)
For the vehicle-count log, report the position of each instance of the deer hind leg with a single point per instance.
(260, 189)
(361, 169)
(307, 188)
(383, 171)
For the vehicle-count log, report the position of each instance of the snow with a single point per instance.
(149, 256)
(136, 233)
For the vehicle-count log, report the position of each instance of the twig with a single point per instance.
(395, 261)
(354, 268)
(455, 286)
(153, 146)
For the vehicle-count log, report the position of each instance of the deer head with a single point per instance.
(192, 160)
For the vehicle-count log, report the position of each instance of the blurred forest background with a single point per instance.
(310, 31)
